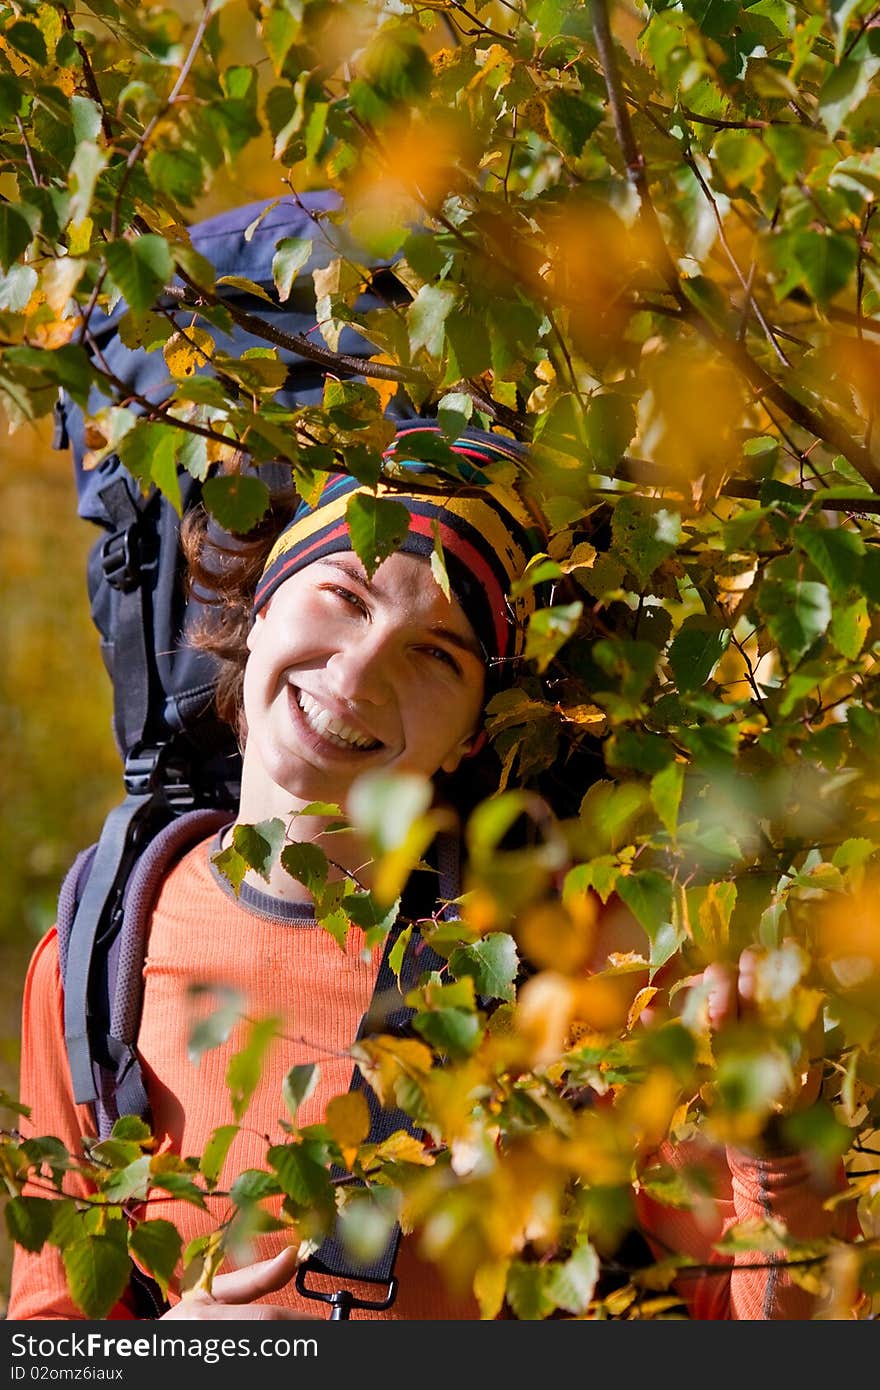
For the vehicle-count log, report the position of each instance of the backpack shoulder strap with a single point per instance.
(104, 911)
(332, 1257)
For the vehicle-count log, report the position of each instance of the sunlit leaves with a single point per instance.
(694, 365)
(141, 267)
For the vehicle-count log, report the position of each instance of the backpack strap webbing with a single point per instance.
(122, 834)
(121, 561)
(332, 1258)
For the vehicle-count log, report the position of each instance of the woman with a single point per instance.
(329, 672)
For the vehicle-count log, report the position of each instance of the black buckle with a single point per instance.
(149, 769)
(121, 560)
(343, 1300)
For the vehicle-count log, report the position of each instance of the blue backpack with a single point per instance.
(180, 762)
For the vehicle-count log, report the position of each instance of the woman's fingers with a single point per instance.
(254, 1281)
(233, 1295)
(719, 981)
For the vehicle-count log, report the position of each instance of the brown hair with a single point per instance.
(222, 573)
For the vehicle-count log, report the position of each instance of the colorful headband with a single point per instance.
(488, 536)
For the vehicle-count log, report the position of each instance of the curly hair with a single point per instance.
(223, 571)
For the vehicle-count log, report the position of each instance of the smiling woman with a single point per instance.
(328, 671)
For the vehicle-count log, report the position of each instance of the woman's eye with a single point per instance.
(348, 596)
(442, 655)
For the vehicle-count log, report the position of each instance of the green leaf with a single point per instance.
(573, 1283)
(845, 88)
(157, 1245)
(298, 1085)
(549, 629)
(131, 1181)
(643, 536)
(236, 502)
(245, 1067)
(456, 1032)
(696, 650)
(610, 424)
(797, 614)
(306, 863)
(427, 316)
(98, 1270)
(216, 1149)
(253, 1185)
(178, 173)
(260, 845)
(824, 261)
(232, 865)
(240, 282)
(849, 627)
(384, 806)
(140, 268)
(15, 235)
(300, 1175)
(149, 452)
(85, 115)
(29, 1221)
(291, 254)
(378, 527)
(649, 896)
(17, 286)
(836, 553)
(666, 790)
(27, 39)
(530, 1290)
(571, 120)
(132, 1129)
(491, 963)
(215, 1029)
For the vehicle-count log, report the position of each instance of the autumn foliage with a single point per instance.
(641, 239)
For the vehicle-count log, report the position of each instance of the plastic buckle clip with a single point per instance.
(147, 769)
(343, 1300)
(121, 561)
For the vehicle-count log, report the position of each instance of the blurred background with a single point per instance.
(59, 770)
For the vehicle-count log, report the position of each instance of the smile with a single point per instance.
(327, 725)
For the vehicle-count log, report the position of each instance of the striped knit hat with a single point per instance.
(487, 531)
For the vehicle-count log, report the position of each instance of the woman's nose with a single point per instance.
(360, 669)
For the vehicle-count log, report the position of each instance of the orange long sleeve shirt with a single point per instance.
(289, 967)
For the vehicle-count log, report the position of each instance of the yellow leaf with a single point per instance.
(490, 1281)
(79, 236)
(585, 716)
(641, 1001)
(582, 557)
(383, 1061)
(60, 279)
(385, 390)
(621, 1299)
(348, 1120)
(560, 935)
(404, 1148)
(187, 350)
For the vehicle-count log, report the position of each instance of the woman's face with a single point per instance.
(346, 675)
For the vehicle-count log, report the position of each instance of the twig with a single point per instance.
(140, 145)
(292, 342)
(36, 178)
(89, 75)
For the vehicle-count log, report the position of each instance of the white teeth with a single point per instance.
(328, 726)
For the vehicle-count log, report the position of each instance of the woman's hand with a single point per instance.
(732, 992)
(232, 1295)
